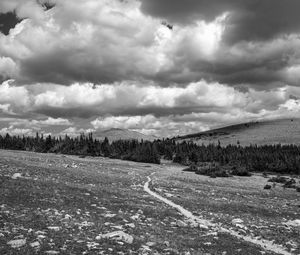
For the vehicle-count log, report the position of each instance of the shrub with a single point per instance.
(191, 168)
(267, 186)
(241, 171)
(213, 170)
(278, 179)
(291, 184)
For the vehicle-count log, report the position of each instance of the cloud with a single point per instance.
(98, 64)
(85, 99)
(16, 131)
(247, 20)
(40, 123)
(8, 68)
(16, 99)
(134, 46)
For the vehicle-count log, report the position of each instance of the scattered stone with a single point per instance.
(54, 228)
(16, 176)
(40, 232)
(117, 235)
(131, 225)
(181, 223)
(237, 221)
(92, 245)
(17, 243)
(35, 245)
(52, 252)
(294, 223)
(118, 227)
(169, 195)
(108, 215)
(167, 243)
(150, 244)
(203, 226)
(135, 217)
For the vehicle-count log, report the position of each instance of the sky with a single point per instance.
(160, 67)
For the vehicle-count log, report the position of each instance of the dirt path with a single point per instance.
(202, 223)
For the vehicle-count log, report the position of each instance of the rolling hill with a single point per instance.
(285, 131)
(114, 134)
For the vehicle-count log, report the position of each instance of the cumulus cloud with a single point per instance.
(61, 101)
(117, 41)
(160, 67)
(16, 131)
(8, 68)
(15, 99)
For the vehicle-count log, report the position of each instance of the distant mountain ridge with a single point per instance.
(284, 131)
(114, 134)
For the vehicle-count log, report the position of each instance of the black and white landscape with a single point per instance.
(149, 127)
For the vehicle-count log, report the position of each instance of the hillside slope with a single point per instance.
(286, 131)
(114, 134)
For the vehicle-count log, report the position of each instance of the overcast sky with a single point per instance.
(162, 67)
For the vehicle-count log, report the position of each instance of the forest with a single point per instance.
(266, 158)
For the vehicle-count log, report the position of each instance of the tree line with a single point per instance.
(265, 158)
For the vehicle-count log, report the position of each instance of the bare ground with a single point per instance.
(55, 204)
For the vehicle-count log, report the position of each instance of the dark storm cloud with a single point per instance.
(7, 21)
(247, 20)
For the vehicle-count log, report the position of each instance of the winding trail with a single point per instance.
(202, 223)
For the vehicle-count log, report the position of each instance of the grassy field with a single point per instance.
(284, 131)
(55, 204)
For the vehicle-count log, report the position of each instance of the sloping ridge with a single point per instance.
(114, 134)
(284, 131)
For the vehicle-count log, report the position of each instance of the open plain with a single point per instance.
(57, 204)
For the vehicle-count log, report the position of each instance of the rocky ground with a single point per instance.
(56, 204)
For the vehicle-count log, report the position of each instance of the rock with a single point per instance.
(135, 217)
(17, 243)
(237, 221)
(54, 228)
(117, 235)
(203, 226)
(118, 227)
(131, 225)
(52, 252)
(108, 215)
(16, 176)
(167, 243)
(35, 245)
(181, 223)
(169, 195)
(294, 223)
(150, 244)
(92, 245)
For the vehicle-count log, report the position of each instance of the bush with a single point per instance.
(241, 171)
(278, 179)
(267, 186)
(191, 168)
(290, 184)
(212, 170)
